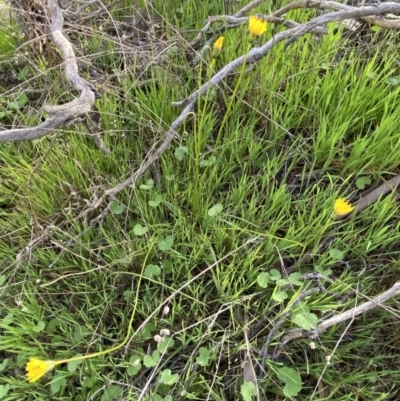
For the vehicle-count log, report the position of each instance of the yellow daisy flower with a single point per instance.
(36, 368)
(219, 43)
(257, 26)
(342, 207)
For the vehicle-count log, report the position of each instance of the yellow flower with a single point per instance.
(219, 43)
(36, 368)
(342, 207)
(257, 26)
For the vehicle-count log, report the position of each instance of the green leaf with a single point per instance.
(166, 244)
(393, 81)
(336, 254)
(127, 295)
(149, 185)
(151, 271)
(167, 265)
(8, 319)
(79, 333)
(140, 230)
(3, 364)
(39, 327)
(58, 382)
(136, 365)
(156, 201)
(167, 343)
(147, 330)
(291, 379)
(362, 182)
(2, 279)
(305, 320)
(151, 360)
(281, 282)
(204, 358)
(170, 177)
(215, 210)
(168, 378)
(248, 390)
(116, 207)
(263, 279)
(112, 393)
(208, 162)
(22, 99)
(279, 296)
(71, 366)
(320, 270)
(88, 382)
(180, 152)
(23, 73)
(4, 390)
(294, 279)
(275, 274)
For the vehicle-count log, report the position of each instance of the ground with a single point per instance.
(204, 257)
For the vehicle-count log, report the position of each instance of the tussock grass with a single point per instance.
(299, 130)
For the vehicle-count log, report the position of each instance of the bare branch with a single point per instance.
(68, 112)
(351, 313)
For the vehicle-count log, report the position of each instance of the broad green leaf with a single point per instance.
(167, 343)
(275, 274)
(112, 393)
(71, 366)
(305, 320)
(291, 379)
(324, 272)
(166, 244)
(204, 358)
(281, 282)
(88, 382)
(58, 382)
(151, 271)
(134, 369)
(168, 378)
(151, 360)
(140, 230)
(180, 152)
(215, 210)
(248, 390)
(279, 296)
(170, 177)
(393, 81)
(2, 279)
(208, 162)
(149, 185)
(22, 99)
(4, 390)
(39, 327)
(362, 182)
(156, 201)
(336, 254)
(147, 330)
(3, 364)
(116, 207)
(263, 279)
(294, 278)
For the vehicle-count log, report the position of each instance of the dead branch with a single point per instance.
(253, 56)
(68, 113)
(342, 317)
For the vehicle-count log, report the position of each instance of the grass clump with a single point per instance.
(205, 252)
